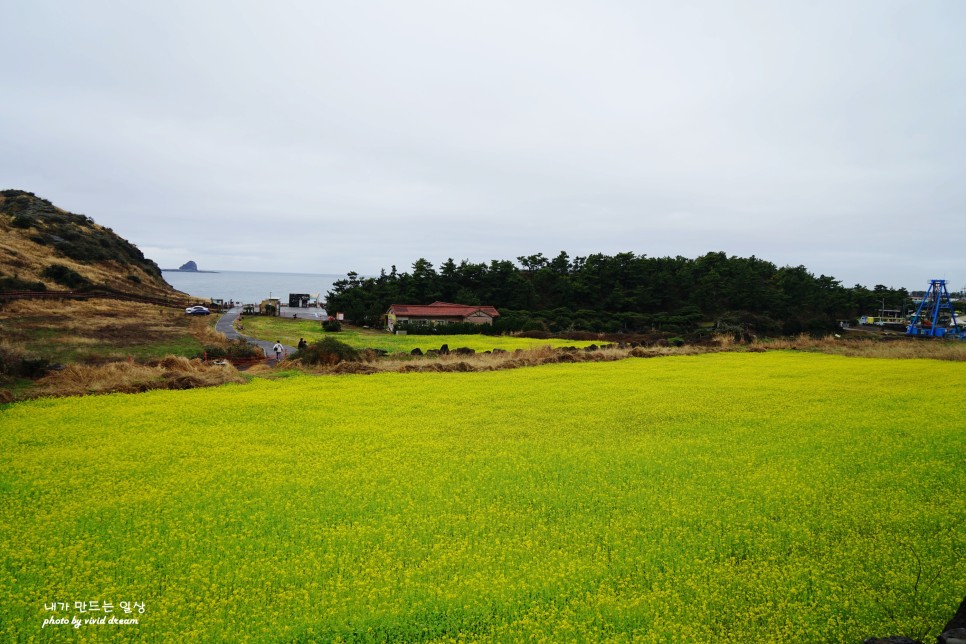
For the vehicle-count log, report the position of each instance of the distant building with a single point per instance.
(439, 313)
(271, 306)
(298, 300)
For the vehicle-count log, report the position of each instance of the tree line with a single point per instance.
(625, 292)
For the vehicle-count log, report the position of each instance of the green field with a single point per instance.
(723, 497)
(290, 330)
(98, 330)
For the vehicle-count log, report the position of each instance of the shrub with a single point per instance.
(454, 328)
(64, 275)
(820, 326)
(34, 368)
(371, 355)
(508, 322)
(21, 221)
(10, 359)
(535, 325)
(331, 326)
(327, 351)
(740, 323)
(14, 363)
(578, 335)
(536, 334)
(792, 327)
(234, 349)
(16, 284)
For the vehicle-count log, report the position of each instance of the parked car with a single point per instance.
(196, 310)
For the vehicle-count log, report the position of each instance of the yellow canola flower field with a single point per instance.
(722, 498)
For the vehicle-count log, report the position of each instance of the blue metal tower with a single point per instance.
(935, 316)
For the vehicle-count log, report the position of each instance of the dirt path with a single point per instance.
(226, 325)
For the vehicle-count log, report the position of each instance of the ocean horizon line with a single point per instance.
(217, 270)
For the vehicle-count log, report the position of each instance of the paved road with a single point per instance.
(226, 325)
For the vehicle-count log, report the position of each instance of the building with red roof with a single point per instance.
(439, 313)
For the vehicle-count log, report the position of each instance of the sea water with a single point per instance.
(250, 287)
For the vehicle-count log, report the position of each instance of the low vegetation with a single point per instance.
(79, 343)
(130, 377)
(779, 496)
(290, 330)
(65, 276)
(867, 346)
(43, 247)
(327, 351)
(100, 330)
(40, 337)
(384, 352)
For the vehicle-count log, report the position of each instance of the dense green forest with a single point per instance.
(622, 293)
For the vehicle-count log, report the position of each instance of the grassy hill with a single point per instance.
(43, 247)
(102, 342)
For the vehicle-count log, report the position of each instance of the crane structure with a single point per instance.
(935, 316)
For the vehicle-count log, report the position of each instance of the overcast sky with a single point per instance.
(324, 136)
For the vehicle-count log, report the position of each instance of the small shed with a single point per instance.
(271, 306)
(298, 300)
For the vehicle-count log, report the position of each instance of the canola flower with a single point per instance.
(728, 497)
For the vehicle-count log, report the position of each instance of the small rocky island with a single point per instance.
(188, 267)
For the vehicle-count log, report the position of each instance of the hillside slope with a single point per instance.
(43, 247)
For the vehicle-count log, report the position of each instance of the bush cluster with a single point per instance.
(454, 328)
(20, 221)
(16, 364)
(234, 349)
(16, 284)
(331, 326)
(66, 276)
(327, 351)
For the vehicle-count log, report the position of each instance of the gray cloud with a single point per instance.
(327, 137)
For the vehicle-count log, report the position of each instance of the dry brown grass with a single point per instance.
(263, 369)
(98, 340)
(99, 329)
(206, 334)
(895, 347)
(80, 312)
(130, 377)
(404, 363)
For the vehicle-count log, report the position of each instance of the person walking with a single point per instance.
(278, 349)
